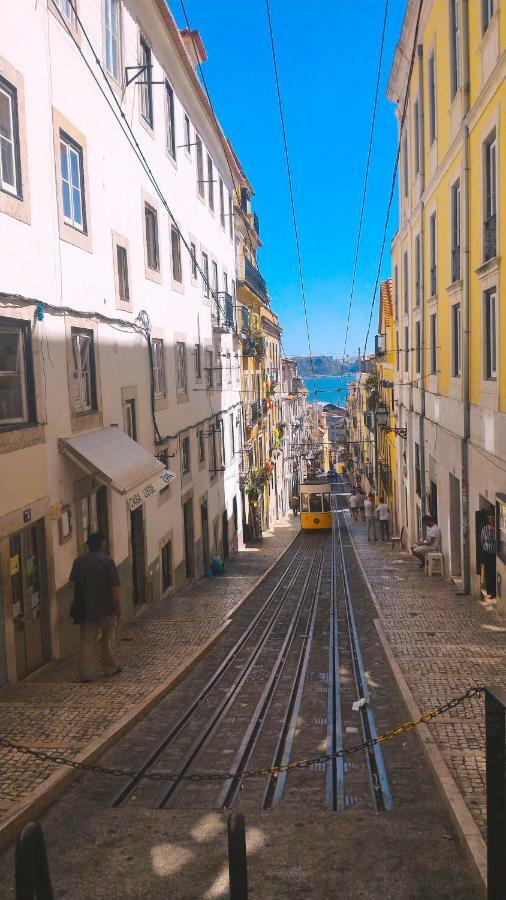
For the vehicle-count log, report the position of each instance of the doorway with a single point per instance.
(138, 555)
(226, 549)
(455, 537)
(480, 519)
(205, 536)
(29, 598)
(189, 543)
(433, 499)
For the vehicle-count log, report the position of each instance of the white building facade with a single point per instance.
(119, 361)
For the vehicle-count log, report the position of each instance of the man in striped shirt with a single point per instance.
(488, 555)
(96, 607)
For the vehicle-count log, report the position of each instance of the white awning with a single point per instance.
(119, 462)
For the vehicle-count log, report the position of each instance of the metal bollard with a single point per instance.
(495, 731)
(33, 881)
(237, 858)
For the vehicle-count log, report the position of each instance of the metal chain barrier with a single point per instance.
(428, 716)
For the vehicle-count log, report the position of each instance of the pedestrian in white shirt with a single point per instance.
(353, 504)
(383, 514)
(432, 542)
(369, 517)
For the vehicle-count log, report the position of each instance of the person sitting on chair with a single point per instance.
(432, 542)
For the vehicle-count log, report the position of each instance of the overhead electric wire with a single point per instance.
(366, 180)
(394, 175)
(290, 186)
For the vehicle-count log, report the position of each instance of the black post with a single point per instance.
(33, 881)
(237, 859)
(495, 708)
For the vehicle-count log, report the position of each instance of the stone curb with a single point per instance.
(467, 830)
(38, 800)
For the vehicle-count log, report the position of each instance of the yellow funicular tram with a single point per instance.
(315, 510)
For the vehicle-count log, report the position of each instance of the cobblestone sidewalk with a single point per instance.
(52, 711)
(444, 643)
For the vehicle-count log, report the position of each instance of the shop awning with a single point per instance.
(119, 462)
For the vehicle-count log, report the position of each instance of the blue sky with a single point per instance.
(327, 58)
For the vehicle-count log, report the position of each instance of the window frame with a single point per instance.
(406, 348)
(198, 362)
(405, 268)
(153, 253)
(167, 569)
(181, 369)
(210, 182)
(201, 443)
(418, 269)
(113, 5)
(199, 162)
(193, 262)
(26, 373)
(170, 120)
(490, 186)
(418, 347)
(456, 338)
(209, 368)
(455, 51)
(433, 343)
(187, 135)
(185, 456)
(222, 202)
(230, 217)
(70, 15)
(123, 275)
(15, 190)
(488, 10)
(490, 335)
(175, 254)
(146, 96)
(433, 273)
(206, 286)
(405, 165)
(456, 228)
(71, 145)
(417, 134)
(158, 366)
(76, 336)
(432, 97)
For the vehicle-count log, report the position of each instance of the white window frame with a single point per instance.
(146, 81)
(112, 39)
(456, 337)
(200, 166)
(187, 135)
(230, 217)
(416, 134)
(198, 361)
(20, 373)
(432, 98)
(9, 143)
(209, 369)
(175, 252)
(154, 252)
(433, 343)
(123, 274)
(193, 261)
(406, 348)
(405, 281)
(454, 48)
(170, 120)
(418, 347)
(159, 383)
(433, 273)
(66, 10)
(222, 203)
(185, 456)
(206, 287)
(73, 153)
(488, 11)
(490, 334)
(418, 269)
(181, 370)
(84, 386)
(210, 182)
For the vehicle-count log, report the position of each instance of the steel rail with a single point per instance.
(275, 786)
(217, 715)
(334, 769)
(127, 789)
(376, 765)
(243, 755)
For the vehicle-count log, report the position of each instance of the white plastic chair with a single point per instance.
(434, 564)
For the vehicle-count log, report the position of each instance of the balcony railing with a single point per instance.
(265, 408)
(433, 281)
(455, 264)
(256, 223)
(223, 311)
(253, 278)
(255, 411)
(379, 348)
(490, 237)
(245, 319)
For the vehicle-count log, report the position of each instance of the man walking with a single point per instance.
(352, 503)
(360, 505)
(96, 607)
(369, 517)
(383, 513)
(488, 555)
(432, 541)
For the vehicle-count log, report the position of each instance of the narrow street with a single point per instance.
(277, 686)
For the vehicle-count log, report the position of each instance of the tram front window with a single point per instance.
(315, 503)
(326, 503)
(304, 506)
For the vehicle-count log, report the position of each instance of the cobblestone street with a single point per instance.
(53, 712)
(444, 644)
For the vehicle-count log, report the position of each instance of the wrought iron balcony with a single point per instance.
(245, 319)
(256, 223)
(254, 280)
(223, 317)
(490, 237)
(265, 408)
(379, 348)
(455, 264)
(255, 411)
(433, 281)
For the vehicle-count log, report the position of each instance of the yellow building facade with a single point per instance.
(448, 277)
(385, 419)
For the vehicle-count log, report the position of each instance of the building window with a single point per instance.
(210, 183)
(146, 82)
(187, 135)
(406, 281)
(406, 348)
(398, 352)
(433, 255)
(230, 216)
(185, 455)
(490, 205)
(193, 257)
(229, 368)
(16, 379)
(212, 451)
(72, 181)
(122, 269)
(222, 444)
(200, 165)
(205, 276)
(455, 224)
(418, 471)
(433, 343)
(222, 204)
(89, 516)
(167, 566)
(67, 8)
(170, 132)
(232, 435)
(454, 46)
(198, 361)
(490, 334)
(10, 175)
(175, 244)
(130, 418)
(112, 29)
(151, 224)
(396, 291)
(202, 446)
(181, 378)
(218, 367)
(418, 269)
(416, 134)
(456, 339)
(214, 268)
(432, 98)
(405, 165)
(209, 368)
(83, 380)
(158, 367)
(488, 10)
(418, 348)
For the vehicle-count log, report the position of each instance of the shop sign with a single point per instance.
(144, 491)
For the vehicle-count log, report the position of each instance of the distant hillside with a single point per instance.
(324, 365)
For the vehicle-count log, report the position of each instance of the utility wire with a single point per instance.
(290, 186)
(394, 176)
(366, 180)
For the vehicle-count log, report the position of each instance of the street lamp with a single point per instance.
(382, 420)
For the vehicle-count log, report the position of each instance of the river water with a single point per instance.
(329, 388)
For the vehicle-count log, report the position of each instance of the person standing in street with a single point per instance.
(383, 514)
(352, 503)
(488, 543)
(360, 505)
(370, 517)
(432, 542)
(295, 503)
(96, 607)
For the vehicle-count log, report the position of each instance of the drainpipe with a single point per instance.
(465, 220)
(423, 504)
